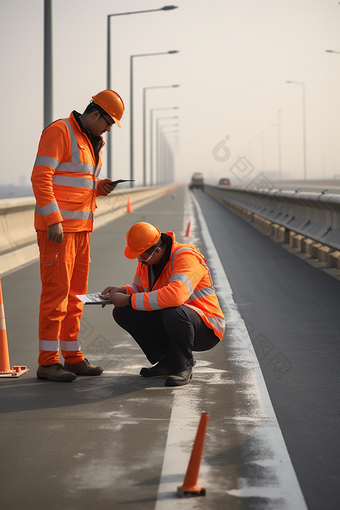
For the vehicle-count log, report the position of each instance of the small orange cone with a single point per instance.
(164, 193)
(5, 369)
(190, 487)
(187, 234)
(128, 205)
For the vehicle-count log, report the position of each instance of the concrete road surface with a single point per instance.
(122, 441)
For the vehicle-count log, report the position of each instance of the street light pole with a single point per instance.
(158, 143)
(144, 123)
(174, 136)
(166, 150)
(131, 103)
(108, 67)
(48, 64)
(304, 126)
(151, 137)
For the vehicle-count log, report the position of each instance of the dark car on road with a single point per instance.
(197, 181)
(224, 182)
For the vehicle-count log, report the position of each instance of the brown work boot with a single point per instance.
(83, 368)
(55, 372)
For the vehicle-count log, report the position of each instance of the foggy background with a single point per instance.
(235, 57)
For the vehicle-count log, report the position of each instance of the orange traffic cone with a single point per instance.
(187, 234)
(128, 205)
(164, 193)
(190, 487)
(5, 370)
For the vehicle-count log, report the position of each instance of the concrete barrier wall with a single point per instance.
(17, 234)
(16, 223)
(309, 222)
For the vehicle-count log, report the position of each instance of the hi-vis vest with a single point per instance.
(185, 280)
(64, 178)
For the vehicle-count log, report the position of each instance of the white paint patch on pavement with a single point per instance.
(285, 492)
(183, 426)
(185, 415)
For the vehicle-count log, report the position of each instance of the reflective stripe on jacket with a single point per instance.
(185, 280)
(64, 178)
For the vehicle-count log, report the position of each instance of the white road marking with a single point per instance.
(286, 494)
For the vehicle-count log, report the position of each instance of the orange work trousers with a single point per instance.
(64, 270)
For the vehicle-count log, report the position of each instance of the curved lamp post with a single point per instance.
(167, 150)
(171, 52)
(108, 84)
(151, 136)
(144, 124)
(158, 142)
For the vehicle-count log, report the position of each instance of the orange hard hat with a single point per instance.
(140, 237)
(112, 103)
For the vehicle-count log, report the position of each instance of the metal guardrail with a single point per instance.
(313, 215)
(309, 222)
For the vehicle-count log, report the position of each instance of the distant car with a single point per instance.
(197, 181)
(224, 182)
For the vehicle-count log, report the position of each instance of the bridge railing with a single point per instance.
(307, 220)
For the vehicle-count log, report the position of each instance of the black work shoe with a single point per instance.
(160, 369)
(83, 368)
(55, 372)
(179, 379)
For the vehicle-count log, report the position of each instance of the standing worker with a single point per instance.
(65, 184)
(171, 308)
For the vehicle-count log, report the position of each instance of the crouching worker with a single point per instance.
(171, 308)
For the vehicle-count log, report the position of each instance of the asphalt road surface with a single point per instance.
(123, 441)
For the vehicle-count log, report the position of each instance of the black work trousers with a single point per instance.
(170, 332)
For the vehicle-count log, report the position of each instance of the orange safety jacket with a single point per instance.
(185, 280)
(64, 178)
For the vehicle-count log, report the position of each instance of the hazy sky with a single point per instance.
(235, 58)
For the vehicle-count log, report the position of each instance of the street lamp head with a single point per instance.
(173, 51)
(288, 81)
(176, 85)
(168, 7)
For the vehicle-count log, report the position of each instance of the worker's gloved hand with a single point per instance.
(105, 186)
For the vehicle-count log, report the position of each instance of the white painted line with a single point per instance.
(286, 494)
